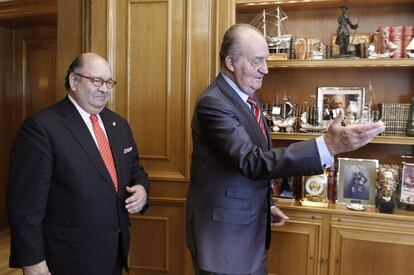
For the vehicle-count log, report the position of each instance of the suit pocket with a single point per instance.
(63, 233)
(232, 216)
(240, 193)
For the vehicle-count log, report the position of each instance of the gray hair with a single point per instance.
(231, 41)
(78, 62)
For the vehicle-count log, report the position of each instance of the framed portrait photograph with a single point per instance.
(407, 184)
(351, 99)
(315, 190)
(357, 180)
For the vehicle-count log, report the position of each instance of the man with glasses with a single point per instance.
(74, 178)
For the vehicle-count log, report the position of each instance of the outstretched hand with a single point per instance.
(340, 139)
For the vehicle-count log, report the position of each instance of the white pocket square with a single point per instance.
(127, 150)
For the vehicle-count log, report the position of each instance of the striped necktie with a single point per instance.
(257, 114)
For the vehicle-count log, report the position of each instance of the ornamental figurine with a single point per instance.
(342, 33)
(388, 179)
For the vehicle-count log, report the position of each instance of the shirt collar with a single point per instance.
(85, 115)
(241, 94)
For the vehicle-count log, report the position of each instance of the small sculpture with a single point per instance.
(342, 33)
(388, 179)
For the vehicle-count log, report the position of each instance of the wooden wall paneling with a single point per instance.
(39, 67)
(5, 115)
(201, 36)
(24, 8)
(71, 37)
(157, 242)
(150, 66)
(34, 71)
(224, 16)
(200, 56)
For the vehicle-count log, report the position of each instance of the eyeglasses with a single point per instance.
(98, 82)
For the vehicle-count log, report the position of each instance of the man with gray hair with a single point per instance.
(229, 206)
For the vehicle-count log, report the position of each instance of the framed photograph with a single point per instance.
(407, 184)
(315, 190)
(357, 179)
(351, 99)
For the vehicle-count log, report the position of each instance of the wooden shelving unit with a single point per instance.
(343, 63)
(402, 140)
(333, 240)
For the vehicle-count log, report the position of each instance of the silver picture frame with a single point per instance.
(351, 99)
(357, 179)
(407, 184)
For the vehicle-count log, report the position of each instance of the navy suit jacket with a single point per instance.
(62, 204)
(228, 201)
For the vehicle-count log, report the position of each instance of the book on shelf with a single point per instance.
(395, 117)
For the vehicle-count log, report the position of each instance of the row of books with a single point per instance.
(400, 36)
(395, 117)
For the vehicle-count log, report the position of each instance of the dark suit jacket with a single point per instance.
(62, 204)
(228, 202)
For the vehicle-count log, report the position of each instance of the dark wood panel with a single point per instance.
(39, 71)
(5, 114)
(27, 77)
(34, 71)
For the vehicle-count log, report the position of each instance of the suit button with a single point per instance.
(117, 229)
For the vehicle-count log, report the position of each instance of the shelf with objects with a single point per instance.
(375, 70)
(297, 70)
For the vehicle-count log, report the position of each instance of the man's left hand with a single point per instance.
(278, 217)
(137, 200)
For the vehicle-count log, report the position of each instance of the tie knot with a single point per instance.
(94, 118)
(251, 101)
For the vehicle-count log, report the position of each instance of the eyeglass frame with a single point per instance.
(92, 79)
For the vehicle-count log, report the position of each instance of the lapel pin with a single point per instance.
(114, 123)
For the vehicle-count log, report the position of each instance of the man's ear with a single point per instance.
(229, 61)
(72, 81)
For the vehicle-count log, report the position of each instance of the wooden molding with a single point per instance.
(25, 8)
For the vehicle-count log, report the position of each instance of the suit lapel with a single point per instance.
(75, 124)
(253, 127)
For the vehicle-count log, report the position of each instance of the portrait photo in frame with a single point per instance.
(357, 179)
(407, 184)
(351, 99)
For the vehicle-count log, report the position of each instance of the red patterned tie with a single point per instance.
(104, 149)
(257, 115)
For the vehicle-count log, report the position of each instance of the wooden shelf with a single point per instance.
(340, 208)
(253, 5)
(377, 140)
(343, 63)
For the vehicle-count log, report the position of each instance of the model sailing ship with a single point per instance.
(272, 24)
(410, 49)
